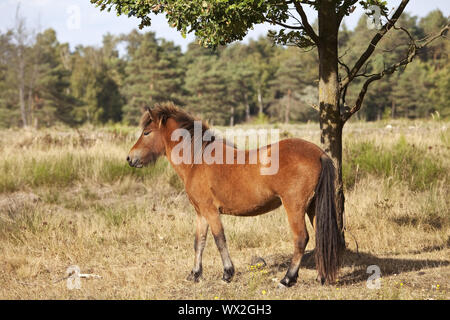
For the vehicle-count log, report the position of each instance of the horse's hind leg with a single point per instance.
(296, 216)
(311, 211)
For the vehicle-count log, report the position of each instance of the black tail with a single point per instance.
(328, 238)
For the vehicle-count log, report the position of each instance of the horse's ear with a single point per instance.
(162, 119)
(149, 111)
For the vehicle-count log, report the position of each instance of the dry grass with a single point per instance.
(68, 198)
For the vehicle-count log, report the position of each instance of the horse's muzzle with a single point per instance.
(135, 163)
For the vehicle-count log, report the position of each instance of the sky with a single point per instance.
(80, 22)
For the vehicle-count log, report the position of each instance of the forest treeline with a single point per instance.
(44, 82)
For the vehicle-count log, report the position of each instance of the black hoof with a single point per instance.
(194, 276)
(228, 274)
(288, 282)
(320, 279)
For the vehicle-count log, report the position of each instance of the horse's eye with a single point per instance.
(147, 133)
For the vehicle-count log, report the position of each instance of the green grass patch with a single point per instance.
(401, 162)
(117, 217)
(60, 171)
(8, 181)
(64, 170)
(19, 218)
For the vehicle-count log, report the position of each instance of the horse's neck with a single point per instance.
(182, 169)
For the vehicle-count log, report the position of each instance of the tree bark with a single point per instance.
(21, 78)
(260, 103)
(393, 109)
(288, 106)
(329, 92)
(232, 117)
(247, 107)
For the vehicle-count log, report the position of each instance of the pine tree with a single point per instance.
(438, 92)
(238, 77)
(292, 81)
(410, 96)
(261, 55)
(97, 77)
(207, 89)
(9, 111)
(110, 79)
(437, 52)
(153, 74)
(50, 101)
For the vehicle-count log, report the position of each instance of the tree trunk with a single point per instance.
(247, 107)
(232, 117)
(23, 112)
(393, 109)
(21, 78)
(260, 103)
(288, 106)
(31, 85)
(330, 118)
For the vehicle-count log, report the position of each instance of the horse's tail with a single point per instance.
(328, 238)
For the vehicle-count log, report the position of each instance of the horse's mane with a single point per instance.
(162, 112)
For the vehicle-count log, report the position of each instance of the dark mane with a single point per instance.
(162, 112)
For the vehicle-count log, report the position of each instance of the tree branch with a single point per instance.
(346, 6)
(412, 53)
(373, 44)
(309, 30)
(344, 91)
(284, 25)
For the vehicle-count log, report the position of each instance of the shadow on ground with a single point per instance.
(359, 263)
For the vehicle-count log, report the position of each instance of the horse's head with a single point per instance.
(150, 144)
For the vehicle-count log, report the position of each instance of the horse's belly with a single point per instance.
(248, 209)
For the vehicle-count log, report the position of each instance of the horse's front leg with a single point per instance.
(214, 222)
(199, 245)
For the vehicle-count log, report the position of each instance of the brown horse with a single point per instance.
(303, 183)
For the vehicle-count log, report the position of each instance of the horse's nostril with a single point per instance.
(128, 159)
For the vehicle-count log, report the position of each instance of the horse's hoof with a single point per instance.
(281, 286)
(227, 278)
(194, 276)
(228, 275)
(287, 282)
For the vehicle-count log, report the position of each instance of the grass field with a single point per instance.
(67, 197)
